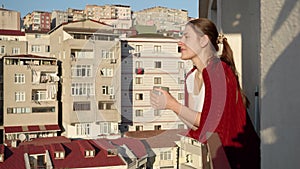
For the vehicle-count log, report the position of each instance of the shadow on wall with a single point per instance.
(280, 109)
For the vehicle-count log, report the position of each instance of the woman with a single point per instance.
(214, 100)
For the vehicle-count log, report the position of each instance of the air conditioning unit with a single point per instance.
(112, 96)
(112, 61)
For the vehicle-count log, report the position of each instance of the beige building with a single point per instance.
(38, 43)
(147, 61)
(58, 17)
(119, 16)
(164, 18)
(90, 60)
(29, 105)
(75, 14)
(12, 42)
(9, 19)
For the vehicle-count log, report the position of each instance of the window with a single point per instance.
(138, 80)
(107, 90)
(180, 96)
(180, 126)
(35, 48)
(47, 48)
(81, 71)
(82, 89)
(40, 95)
(139, 96)
(2, 49)
(157, 64)
(89, 153)
(157, 48)
(83, 129)
(19, 96)
(18, 110)
(165, 155)
(107, 54)
(43, 109)
(180, 65)
(107, 72)
(81, 106)
(157, 127)
(156, 112)
(139, 113)
(19, 78)
(138, 64)
(37, 35)
(178, 49)
(138, 48)
(59, 155)
(139, 128)
(15, 51)
(84, 54)
(105, 105)
(157, 80)
(105, 128)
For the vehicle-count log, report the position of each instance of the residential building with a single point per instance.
(58, 17)
(38, 43)
(29, 106)
(75, 14)
(10, 19)
(119, 16)
(148, 61)
(162, 147)
(89, 52)
(163, 18)
(12, 42)
(38, 20)
(61, 153)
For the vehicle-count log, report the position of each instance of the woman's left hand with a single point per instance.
(161, 99)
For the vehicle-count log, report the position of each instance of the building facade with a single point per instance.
(29, 105)
(38, 43)
(90, 57)
(12, 42)
(149, 61)
(58, 17)
(164, 18)
(38, 20)
(9, 19)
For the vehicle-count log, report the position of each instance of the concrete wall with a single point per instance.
(279, 55)
(270, 40)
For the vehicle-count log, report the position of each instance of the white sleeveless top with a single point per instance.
(198, 100)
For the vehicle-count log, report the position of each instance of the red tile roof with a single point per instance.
(11, 32)
(47, 141)
(14, 157)
(135, 145)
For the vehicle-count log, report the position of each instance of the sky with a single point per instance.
(27, 6)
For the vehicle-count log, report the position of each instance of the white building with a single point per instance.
(149, 61)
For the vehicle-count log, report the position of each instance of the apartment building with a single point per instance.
(164, 18)
(38, 20)
(91, 94)
(58, 17)
(9, 19)
(29, 106)
(147, 61)
(38, 43)
(117, 15)
(12, 42)
(75, 14)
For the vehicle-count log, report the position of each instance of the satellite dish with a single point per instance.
(22, 137)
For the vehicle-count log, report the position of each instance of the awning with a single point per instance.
(33, 128)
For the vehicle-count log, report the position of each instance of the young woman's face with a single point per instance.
(189, 43)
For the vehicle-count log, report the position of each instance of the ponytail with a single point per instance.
(227, 57)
